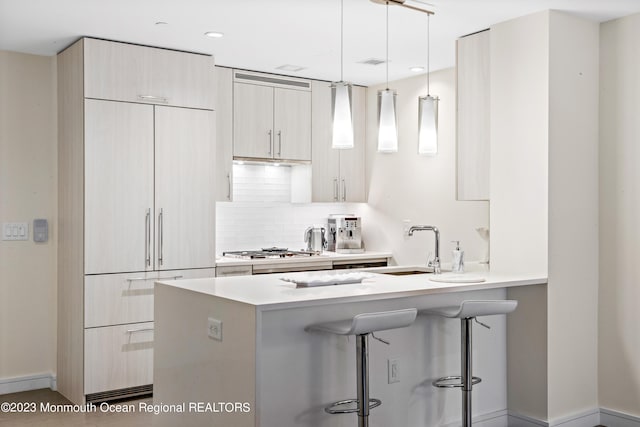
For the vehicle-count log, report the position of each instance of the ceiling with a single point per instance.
(263, 35)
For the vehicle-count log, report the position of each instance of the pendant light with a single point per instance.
(342, 135)
(387, 120)
(428, 114)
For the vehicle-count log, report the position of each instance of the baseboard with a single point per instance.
(31, 382)
(589, 418)
(490, 419)
(611, 418)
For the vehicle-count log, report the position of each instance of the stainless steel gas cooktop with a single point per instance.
(268, 253)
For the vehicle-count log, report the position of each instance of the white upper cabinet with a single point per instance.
(271, 117)
(253, 121)
(224, 134)
(118, 177)
(473, 116)
(292, 124)
(133, 73)
(184, 187)
(337, 175)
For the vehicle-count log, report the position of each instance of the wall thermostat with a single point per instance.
(40, 230)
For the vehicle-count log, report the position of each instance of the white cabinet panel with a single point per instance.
(292, 124)
(352, 161)
(118, 186)
(118, 357)
(473, 93)
(224, 134)
(253, 121)
(128, 72)
(185, 199)
(112, 299)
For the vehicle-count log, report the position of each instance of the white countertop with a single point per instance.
(325, 256)
(269, 292)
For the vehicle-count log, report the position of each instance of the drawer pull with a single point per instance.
(224, 273)
(171, 278)
(139, 279)
(133, 331)
(152, 98)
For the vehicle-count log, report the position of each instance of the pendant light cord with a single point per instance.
(428, 55)
(387, 46)
(341, 40)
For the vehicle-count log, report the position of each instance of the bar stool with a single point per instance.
(362, 325)
(467, 311)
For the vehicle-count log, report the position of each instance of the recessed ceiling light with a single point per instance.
(416, 69)
(289, 67)
(214, 34)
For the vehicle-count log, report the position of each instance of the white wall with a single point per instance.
(519, 144)
(619, 317)
(28, 190)
(405, 185)
(573, 216)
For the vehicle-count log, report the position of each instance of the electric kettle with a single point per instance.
(315, 239)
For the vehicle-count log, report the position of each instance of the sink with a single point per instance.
(401, 270)
(406, 272)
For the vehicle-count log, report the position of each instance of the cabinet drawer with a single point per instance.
(112, 299)
(236, 270)
(118, 357)
(133, 73)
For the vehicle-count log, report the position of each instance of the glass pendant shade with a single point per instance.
(387, 122)
(428, 125)
(342, 137)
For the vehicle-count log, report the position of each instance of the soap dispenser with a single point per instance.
(457, 258)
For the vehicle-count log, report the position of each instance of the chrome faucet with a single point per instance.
(435, 264)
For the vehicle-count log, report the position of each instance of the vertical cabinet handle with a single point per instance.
(344, 191)
(279, 143)
(335, 189)
(147, 238)
(270, 142)
(229, 186)
(160, 232)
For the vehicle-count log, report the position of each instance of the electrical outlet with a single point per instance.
(406, 225)
(393, 371)
(214, 328)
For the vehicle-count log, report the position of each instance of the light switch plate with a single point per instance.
(15, 231)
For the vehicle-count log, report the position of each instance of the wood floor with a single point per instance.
(98, 418)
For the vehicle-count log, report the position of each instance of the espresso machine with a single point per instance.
(345, 234)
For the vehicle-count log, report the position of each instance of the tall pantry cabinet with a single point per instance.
(136, 204)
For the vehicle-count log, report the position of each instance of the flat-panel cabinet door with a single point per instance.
(118, 187)
(473, 139)
(325, 160)
(292, 124)
(118, 357)
(352, 176)
(185, 188)
(253, 121)
(224, 134)
(132, 73)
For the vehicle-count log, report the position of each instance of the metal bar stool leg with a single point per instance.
(467, 374)
(362, 367)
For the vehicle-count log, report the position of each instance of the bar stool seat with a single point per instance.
(362, 325)
(468, 311)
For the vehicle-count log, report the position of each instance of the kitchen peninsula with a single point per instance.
(265, 358)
